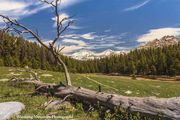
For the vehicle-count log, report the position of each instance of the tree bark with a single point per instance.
(166, 107)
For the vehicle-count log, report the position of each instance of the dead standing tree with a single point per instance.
(14, 26)
(167, 108)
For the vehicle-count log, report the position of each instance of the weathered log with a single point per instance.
(168, 108)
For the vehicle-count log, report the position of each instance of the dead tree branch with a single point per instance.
(62, 25)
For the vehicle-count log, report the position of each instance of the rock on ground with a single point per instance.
(10, 109)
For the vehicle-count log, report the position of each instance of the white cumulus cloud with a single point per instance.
(72, 41)
(90, 41)
(66, 3)
(158, 33)
(20, 8)
(88, 36)
(11, 5)
(63, 16)
(76, 45)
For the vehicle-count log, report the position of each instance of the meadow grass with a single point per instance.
(111, 84)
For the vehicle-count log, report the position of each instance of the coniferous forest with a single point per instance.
(17, 52)
(153, 61)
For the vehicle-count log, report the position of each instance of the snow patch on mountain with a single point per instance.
(89, 55)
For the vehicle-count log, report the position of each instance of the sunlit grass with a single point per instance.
(121, 85)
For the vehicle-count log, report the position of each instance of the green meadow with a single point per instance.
(111, 84)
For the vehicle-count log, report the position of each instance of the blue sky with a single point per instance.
(101, 24)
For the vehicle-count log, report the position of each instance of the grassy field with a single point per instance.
(112, 84)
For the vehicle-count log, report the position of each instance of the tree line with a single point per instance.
(17, 52)
(151, 61)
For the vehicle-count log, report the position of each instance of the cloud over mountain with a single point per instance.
(158, 33)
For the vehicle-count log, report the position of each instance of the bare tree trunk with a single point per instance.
(61, 63)
(66, 72)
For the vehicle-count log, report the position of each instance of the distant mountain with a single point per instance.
(86, 55)
(83, 55)
(164, 41)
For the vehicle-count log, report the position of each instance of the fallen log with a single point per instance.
(168, 108)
